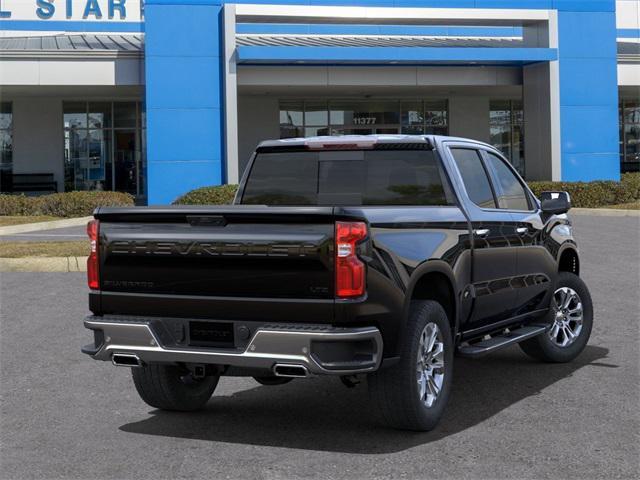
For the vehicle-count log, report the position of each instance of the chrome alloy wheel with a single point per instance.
(430, 365)
(567, 323)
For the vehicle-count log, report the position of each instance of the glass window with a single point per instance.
(102, 146)
(291, 119)
(511, 194)
(506, 129)
(404, 178)
(6, 116)
(6, 146)
(474, 176)
(630, 135)
(412, 113)
(283, 179)
(436, 113)
(300, 118)
(100, 115)
(75, 114)
(316, 114)
(124, 114)
(347, 178)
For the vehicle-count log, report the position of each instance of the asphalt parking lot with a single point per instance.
(66, 416)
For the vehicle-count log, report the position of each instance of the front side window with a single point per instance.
(511, 194)
(408, 177)
(474, 176)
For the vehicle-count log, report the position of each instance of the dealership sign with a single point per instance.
(90, 10)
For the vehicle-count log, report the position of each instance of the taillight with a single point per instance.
(93, 262)
(350, 271)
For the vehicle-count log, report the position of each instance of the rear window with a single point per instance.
(370, 177)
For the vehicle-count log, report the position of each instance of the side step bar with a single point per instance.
(497, 342)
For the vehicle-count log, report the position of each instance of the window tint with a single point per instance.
(384, 177)
(282, 179)
(474, 177)
(511, 194)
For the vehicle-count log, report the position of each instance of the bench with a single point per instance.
(33, 182)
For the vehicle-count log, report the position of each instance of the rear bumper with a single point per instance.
(320, 349)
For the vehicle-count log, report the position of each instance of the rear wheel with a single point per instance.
(413, 393)
(172, 387)
(571, 318)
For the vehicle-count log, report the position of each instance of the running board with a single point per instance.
(502, 340)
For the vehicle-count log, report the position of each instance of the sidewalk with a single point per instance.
(35, 227)
(44, 264)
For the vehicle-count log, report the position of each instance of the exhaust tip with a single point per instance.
(126, 360)
(291, 371)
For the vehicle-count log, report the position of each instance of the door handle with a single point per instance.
(522, 230)
(481, 232)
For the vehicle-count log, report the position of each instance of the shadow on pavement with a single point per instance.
(320, 414)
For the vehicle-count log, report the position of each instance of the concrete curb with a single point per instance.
(39, 226)
(604, 212)
(44, 264)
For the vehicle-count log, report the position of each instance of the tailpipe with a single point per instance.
(291, 371)
(126, 360)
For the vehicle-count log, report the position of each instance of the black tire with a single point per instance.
(394, 390)
(272, 380)
(542, 347)
(171, 387)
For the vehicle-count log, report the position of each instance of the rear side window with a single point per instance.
(511, 194)
(474, 176)
(370, 177)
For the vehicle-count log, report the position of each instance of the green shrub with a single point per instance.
(630, 186)
(69, 204)
(218, 195)
(595, 194)
(18, 205)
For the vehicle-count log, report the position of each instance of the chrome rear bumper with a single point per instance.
(320, 350)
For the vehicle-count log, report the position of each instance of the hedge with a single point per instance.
(583, 194)
(219, 195)
(69, 204)
(595, 194)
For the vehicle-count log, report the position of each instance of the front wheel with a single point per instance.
(173, 387)
(571, 319)
(412, 394)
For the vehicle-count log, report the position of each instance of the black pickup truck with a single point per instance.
(376, 255)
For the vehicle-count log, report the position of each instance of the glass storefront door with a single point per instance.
(125, 162)
(103, 147)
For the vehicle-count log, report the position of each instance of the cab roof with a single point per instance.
(364, 141)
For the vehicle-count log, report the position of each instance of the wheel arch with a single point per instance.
(568, 259)
(421, 287)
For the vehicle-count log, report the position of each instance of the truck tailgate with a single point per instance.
(228, 254)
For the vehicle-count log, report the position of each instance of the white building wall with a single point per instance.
(628, 14)
(38, 143)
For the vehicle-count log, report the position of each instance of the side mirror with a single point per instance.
(555, 203)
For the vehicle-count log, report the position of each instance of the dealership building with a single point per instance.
(159, 97)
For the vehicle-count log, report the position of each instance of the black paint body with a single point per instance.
(276, 264)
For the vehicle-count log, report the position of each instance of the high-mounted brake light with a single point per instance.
(93, 262)
(345, 142)
(350, 270)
